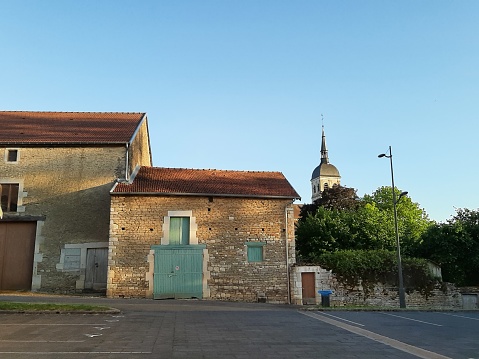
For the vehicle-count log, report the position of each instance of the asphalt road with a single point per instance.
(206, 329)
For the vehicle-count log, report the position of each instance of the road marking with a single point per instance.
(66, 353)
(419, 352)
(345, 320)
(47, 325)
(42, 341)
(414, 320)
(460, 316)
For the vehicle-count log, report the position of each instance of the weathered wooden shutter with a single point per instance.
(179, 231)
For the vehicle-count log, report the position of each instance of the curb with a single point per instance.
(82, 312)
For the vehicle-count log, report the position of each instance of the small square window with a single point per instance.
(255, 251)
(12, 155)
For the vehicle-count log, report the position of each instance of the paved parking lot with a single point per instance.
(203, 329)
(426, 334)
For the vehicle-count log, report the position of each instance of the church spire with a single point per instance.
(325, 175)
(324, 149)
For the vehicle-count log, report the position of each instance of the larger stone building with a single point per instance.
(56, 172)
(213, 234)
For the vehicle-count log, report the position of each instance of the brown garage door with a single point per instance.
(17, 244)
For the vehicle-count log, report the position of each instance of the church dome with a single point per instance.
(325, 169)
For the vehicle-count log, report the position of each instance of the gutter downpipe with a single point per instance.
(127, 164)
(288, 279)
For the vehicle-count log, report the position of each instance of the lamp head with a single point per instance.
(382, 155)
(402, 194)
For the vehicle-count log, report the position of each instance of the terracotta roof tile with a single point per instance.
(26, 127)
(181, 181)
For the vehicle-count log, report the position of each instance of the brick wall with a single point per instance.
(223, 225)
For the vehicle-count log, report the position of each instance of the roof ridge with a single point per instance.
(209, 169)
(98, 112)
(206, 182)
(54, 127)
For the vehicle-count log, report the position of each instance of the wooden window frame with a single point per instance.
(8, 152)
(193, 240)
(7, 194)
(253, 247)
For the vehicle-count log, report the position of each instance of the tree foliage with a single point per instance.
(454, 245)
(413, 221)
(339, 198)
(335, 197)
(373, 266)
(342, 221)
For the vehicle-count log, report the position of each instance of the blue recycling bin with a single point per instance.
(325, 297)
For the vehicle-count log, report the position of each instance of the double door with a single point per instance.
(178, 271)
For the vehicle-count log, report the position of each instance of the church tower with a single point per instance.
(325, 175)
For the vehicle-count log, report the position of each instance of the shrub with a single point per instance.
(378, 266)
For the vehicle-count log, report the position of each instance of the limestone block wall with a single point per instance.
(443, 296)
(323, 279)
(66, 189)
(224, 225)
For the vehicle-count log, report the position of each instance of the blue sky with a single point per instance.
(241, 85)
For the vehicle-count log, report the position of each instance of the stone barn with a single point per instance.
(210, 234)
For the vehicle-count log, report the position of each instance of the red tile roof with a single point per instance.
(181, 181)
(36, 128)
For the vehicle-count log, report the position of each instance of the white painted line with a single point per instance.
(42, 341)
(414, 320)
(47, 325)
(93, 335)
(66, 353)
(345, 320)
(460, 316)
(411, 349)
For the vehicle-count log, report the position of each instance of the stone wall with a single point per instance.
(140, 152)
(444, 296)
(66, 190)
(224, 225)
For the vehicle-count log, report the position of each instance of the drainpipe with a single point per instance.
(287, 249)
(127, 164)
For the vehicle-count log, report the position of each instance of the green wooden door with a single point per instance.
(178, 271)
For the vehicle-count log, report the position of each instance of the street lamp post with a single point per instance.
(402, 296)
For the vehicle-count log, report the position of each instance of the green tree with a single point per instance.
(319, 233)
(366, 224)
(454, 245)
(336, 197)
(371, 228)
(330, 230)
(339, 197)
(413, 221)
